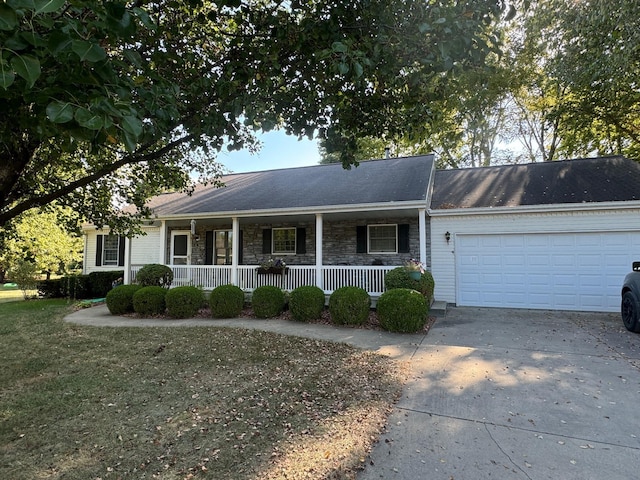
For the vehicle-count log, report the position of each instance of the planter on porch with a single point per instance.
(272, 270)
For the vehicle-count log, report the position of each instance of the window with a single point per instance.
(109, 251)
(383, 239)
(284, 240)
(222, 247)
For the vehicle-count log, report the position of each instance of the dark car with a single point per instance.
(630, 306)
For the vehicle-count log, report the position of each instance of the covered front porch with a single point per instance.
(329, 249)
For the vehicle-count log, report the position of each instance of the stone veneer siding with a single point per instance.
(339, 243)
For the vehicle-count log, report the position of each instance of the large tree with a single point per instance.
(110, 102)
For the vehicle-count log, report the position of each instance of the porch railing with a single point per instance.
(370, 278)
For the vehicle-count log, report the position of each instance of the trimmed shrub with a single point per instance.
(267, 301)
(101, 282)
(155, 274)
(120, 299)
(402, 310)
(226, 301)
(51, 288)
(306, 303)
(77, 287)
(399, 278)
(149, 300)
(349, 306)
(184, 302)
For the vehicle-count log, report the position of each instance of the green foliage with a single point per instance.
(52, 288)
(349, 306)
(402, 310)
(399, 278)
(149, 300)
(184, 302)
(120, 299)
(25, 275)
(306, 303)
(155, 274)
(77, 287)
(44, 238)
(226, 301)
(104, 101)
(267, 301)
(102, 282)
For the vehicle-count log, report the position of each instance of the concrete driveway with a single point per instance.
(508, 394)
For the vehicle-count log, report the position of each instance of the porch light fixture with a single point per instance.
(193, 227)
(447, 237)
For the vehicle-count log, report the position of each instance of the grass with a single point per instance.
(12, 294)
(179, 403)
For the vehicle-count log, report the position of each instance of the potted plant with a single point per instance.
(414, 268)
(274, 266)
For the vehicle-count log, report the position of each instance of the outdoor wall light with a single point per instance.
(447, 237)
(193, 227)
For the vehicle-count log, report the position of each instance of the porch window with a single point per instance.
(223, 247)
(383, 239)
(284, 241)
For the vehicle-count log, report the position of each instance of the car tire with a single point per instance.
(630, 309)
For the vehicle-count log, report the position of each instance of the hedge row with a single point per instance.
(404, 307)
(94, 285)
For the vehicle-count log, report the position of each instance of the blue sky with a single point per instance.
(279, 150)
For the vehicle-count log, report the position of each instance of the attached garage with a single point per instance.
(555, 235)
(559, 271)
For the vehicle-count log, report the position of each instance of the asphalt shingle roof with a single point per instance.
(604, 179)
(373, 182)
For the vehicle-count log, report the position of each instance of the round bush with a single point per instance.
(402, 310)
(149, 301)
(184, 302)
(399, 278)
(267, 301)
(226, 301)
(155, 274)
(349, 306)
(120, 299)
(306, 303)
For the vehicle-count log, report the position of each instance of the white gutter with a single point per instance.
(557, 207)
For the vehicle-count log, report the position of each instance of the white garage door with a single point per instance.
(565, 271)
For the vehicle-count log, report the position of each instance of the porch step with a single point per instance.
(439, 308)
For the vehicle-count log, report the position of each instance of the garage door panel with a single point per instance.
(572, 271)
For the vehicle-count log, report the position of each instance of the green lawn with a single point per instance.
(177, 403)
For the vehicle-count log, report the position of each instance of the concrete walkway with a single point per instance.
(494, 393)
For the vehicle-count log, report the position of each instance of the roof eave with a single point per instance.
(321, 209)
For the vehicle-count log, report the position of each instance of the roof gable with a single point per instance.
(603, 179)
(375, 182)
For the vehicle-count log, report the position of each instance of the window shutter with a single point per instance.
(240, 242)
(403, 238)
(99, 251)
(361, 239)
(208, 248)
(266, 241)
(121, 241)
(301, 241)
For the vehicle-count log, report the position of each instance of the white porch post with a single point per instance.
(235, 249)
(319, 282)
(422, 226)
(127, 261)
(162, 254)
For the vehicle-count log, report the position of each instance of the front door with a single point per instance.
(222, 247)
(180, 247)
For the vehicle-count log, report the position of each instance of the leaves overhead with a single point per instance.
(107, 101)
